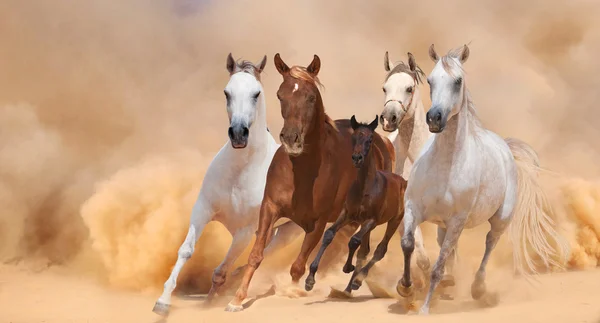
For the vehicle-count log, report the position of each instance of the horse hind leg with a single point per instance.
(498, 224)
(240, 241)
(201, 215)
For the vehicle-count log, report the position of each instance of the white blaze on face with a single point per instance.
(295, 87)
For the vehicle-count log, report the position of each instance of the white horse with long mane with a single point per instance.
(404, 116)
(234, 184)
(467, 175)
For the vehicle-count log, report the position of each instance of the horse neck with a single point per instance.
(367, 173)
(413, 131)
(458, 129)
(315, 138)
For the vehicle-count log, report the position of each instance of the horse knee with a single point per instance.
(255, 259)
(219, 277)
(354, 243)
(408, 243)
(328, 236)
(185, 251)
(436, 274)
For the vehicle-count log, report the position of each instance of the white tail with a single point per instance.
(532, 229)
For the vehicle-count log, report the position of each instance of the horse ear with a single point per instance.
(314, 66)
(432, 54)
(281, 67)
(412, 63)
(353, 123)
(464, 55)
(230, 64)
(386, 62)
(373, 125)
(262, 64)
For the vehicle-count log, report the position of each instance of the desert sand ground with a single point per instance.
(53, 296)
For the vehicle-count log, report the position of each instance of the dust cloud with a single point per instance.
(110, 111)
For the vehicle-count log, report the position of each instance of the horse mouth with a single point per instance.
(239, 144)
(294, 151)
(389, 127)
(436, 129)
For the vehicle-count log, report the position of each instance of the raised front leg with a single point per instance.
(364, 238)
(240, 241)
(341, 221)
(268, 216)
(355, 242)
(202, 213)
(453, 231)
(380, 252)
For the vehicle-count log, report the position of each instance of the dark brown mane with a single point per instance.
(401, 67)
(247, 67)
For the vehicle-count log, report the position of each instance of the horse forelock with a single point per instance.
(401, 67)
(300, 73)
(247, 67)
(449, 61)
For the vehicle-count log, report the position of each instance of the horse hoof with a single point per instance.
(233, 308)
(478, 289)
(161, 309)
(404, 291)
(348, 268)
(447, 281)
(309, 284)
(424, 311)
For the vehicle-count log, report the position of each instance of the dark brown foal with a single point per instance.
(376, 197)
(311, 172)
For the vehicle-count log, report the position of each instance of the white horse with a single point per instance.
(403, 115)
(233, 187)
(467, 175)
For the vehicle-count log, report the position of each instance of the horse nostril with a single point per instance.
(281, 136)
(393, 118)
(438, 117)
(245, 132)
(230, 132)
(296, 138)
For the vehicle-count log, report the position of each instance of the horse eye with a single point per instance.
(383, 90)
(255, 96)
(409, 89)
(459, 81)
(226, 95)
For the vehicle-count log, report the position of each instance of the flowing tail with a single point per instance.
(536, 242)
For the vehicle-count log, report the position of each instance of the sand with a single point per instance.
(53, 296)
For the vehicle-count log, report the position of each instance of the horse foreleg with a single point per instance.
(341, 221)
(268, 216)
(240, 241)
(201, 215)
(497, 228)
(311, 240)
(363, 238)
(283, 235)
(404, 286)
(380, 252)
(453, 231)
(422, 259)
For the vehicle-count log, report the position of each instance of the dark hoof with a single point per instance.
(161, 309)
(309, 283)
(478, 289)
(348, 268)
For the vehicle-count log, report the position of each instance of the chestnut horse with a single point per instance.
(376, 197)
(311, 172)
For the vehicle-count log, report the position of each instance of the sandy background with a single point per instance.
(110, 112)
